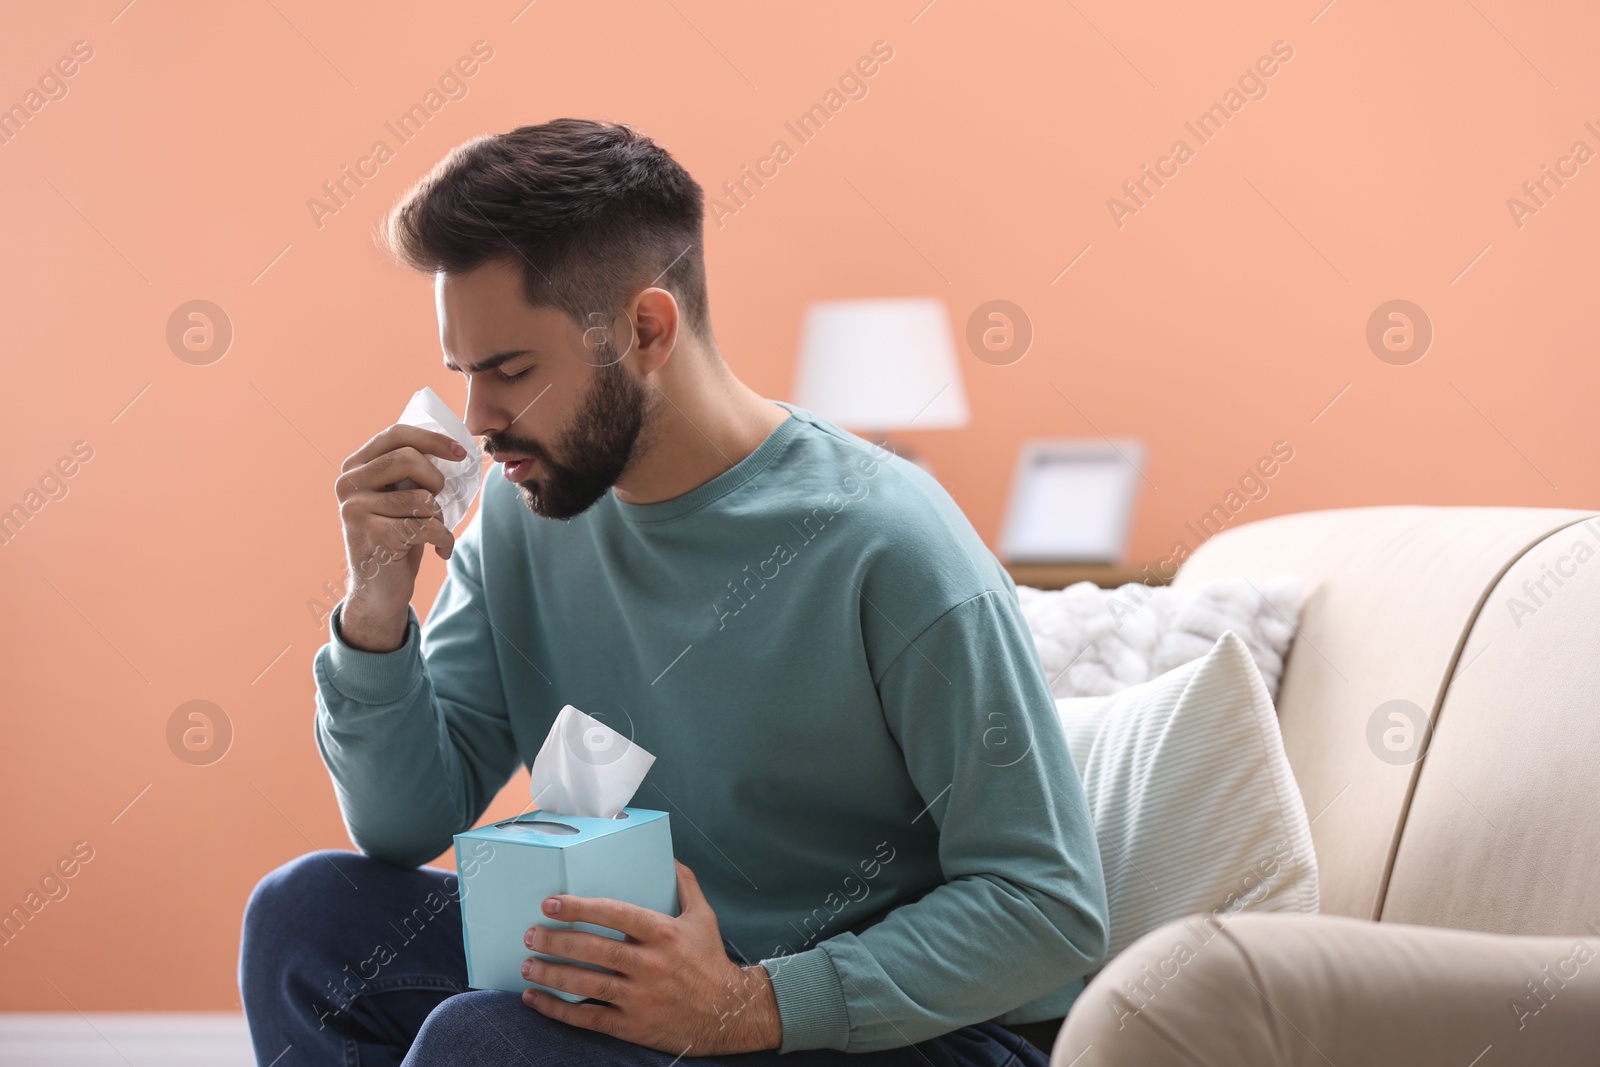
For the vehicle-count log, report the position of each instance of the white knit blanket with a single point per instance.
(1093, 641)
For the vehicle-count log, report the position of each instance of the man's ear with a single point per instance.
(655, 318)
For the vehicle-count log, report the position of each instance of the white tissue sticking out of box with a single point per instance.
(461, 476)
(586, 768)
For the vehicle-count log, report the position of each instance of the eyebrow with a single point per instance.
(491, 362)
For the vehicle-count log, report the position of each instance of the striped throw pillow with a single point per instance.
(1194, 805)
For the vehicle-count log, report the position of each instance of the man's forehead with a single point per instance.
(478, 323)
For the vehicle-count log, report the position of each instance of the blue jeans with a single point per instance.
(347, 960)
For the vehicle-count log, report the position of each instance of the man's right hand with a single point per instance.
(386, 529)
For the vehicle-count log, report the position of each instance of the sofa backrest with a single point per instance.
(1392, 596)
(1503, 832)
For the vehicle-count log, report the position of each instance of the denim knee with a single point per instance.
(292, 898)
(463, 1029)
(304, 884)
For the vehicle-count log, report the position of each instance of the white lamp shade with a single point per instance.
(881, 365)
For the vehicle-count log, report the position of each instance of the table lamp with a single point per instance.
(880, 365)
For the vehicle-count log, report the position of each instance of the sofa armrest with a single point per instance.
(1270, 990)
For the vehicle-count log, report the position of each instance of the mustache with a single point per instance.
(517, 446)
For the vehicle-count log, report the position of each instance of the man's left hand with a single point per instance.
(674, 990)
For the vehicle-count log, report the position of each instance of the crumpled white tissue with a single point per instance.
(461, 476)
(586, 768)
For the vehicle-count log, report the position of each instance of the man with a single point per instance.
(883, 843)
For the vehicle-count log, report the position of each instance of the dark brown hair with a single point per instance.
(590, 212)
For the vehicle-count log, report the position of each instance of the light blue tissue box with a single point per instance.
(507, 869)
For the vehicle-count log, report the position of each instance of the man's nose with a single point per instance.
(482, 415)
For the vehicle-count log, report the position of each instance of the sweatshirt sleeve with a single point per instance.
(418, 741)
(1022, 911)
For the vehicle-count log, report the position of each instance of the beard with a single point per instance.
(603, 437)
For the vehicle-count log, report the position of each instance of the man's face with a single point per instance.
(559, 409)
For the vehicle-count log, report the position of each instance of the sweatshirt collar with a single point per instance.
(724, 483)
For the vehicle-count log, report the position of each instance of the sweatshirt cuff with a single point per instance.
(373, 677)
(810, 1000)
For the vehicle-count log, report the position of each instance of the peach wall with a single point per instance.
(1222, 316)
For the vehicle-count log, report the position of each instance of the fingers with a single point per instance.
(612, 953)
(398, 435)
(389, 468)
(399, 504)
(413, 531)
(570, 978)
(393, 539)
(640, 923)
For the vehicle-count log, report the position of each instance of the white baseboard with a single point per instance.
(67, 1039)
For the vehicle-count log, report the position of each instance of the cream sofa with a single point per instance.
(1461, 889)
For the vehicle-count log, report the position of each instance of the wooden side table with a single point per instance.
(1061, 575)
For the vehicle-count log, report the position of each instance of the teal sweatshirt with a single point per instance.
(854, 738)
